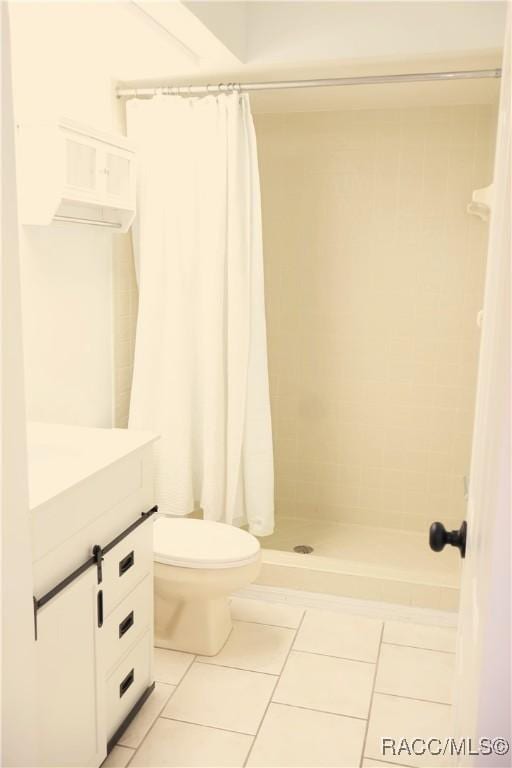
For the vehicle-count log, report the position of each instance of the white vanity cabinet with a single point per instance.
(92, 510)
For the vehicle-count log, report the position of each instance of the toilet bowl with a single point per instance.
(198, 564)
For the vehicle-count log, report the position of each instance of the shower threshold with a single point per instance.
(362, 562)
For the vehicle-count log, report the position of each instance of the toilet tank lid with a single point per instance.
(191, 543)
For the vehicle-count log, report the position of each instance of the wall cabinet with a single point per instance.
(69, 172)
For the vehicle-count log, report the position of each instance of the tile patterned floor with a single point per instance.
(295, 687)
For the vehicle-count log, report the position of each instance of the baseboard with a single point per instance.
(321, 601)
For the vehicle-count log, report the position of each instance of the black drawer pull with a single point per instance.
(125, 684)
(99, 599)
(126, 563)
(126, 624)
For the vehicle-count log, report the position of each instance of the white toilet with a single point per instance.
(198, 564)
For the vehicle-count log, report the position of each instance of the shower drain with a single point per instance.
(303, 549)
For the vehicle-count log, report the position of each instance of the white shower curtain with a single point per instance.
(200, 371)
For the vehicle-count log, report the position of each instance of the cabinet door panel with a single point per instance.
(81, 165)
(118, 172)
(70, 696)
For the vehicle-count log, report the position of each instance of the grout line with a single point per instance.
(194, 657)
(266, 623)
(414, 698)
(158, 717)
(274, 690)
(240, 669)
(315, 709)
(166, 682)
(120, 746)
(205, 725)
(372, 696)
(397, 765)
(418, 647)
(164, 704)
(332, 656)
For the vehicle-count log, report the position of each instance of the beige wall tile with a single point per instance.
(376, 274)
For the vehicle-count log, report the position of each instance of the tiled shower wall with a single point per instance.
(374, 278)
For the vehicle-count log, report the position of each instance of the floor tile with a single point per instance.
(325, 683)
(147, 715)
(395, 718)
(256, 647)
(338, 634)
(261, 612)
(118, 757)
(369, 763)
(420, 635)
(170, 666)
(416, 673)
(301, 737)
(171, 744)
(222, 698)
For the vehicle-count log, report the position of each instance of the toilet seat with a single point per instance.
(190, 543)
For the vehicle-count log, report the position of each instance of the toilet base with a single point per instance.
(194, 626)
(192, 611)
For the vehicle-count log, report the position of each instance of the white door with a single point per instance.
(482, 705)
(69, 678)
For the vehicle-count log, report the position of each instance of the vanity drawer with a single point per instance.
(127, 683)
(126, 623)
(127, 564)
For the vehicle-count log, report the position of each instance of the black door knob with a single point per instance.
(439, 537)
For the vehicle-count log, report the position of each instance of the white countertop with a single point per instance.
(60, 456)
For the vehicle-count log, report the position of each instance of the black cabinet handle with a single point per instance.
(125, 684)
(439, 537)
(126, 623)
(126, 563)
(99, 604)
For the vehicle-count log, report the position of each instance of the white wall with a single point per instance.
(65, 270)
(18, 646)
(66, 59)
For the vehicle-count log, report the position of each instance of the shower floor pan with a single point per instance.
(361, 562)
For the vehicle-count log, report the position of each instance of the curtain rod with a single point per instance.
(196, 90)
